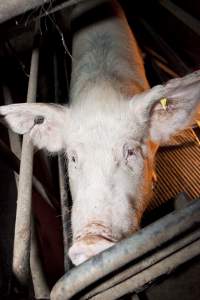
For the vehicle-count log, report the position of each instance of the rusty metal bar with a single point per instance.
(182, 15)
(40, 286)
(128, 250)
(23, 215)
(163, 267)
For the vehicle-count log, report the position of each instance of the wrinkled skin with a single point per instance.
(110, 133)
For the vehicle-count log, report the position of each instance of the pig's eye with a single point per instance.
(128, 152)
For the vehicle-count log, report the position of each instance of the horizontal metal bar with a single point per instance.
(182, 15)
(13, 8)
(165, 266)
(145, 263)
(126, 251)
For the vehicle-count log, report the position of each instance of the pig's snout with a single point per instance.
(87, 247)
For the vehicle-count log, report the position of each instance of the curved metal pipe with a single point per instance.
(127, 250)
(142, 265)
(23, 216)
(165, 266)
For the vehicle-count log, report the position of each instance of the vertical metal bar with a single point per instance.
(40, 286)
(23, 215)
(64, 201)
(64, 210)
(14, 138)
(39, 283)
(15, 143)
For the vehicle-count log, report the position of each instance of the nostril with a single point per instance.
(86, 248)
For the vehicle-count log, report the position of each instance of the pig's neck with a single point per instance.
(104, 51)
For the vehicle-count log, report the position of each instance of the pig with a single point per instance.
(110, 130)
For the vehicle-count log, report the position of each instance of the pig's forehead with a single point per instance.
(102, 129)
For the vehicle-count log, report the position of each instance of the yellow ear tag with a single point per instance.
(164, 103)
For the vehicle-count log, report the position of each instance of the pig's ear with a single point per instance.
(181, 99)
(45, 123)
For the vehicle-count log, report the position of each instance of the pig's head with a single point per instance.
(109, 150)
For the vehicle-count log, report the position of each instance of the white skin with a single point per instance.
(110, 142)
(110, 161)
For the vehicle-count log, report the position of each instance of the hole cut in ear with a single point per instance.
(44, 123)
(38, 120)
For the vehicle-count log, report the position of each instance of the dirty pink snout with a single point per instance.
(87, 247)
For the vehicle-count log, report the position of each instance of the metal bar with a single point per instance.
(140, 243)
(62, 170)
(23, 215)
(164, 267)
(179, 65)
(165, 68)
(182, 15)
(13, 8)
(65, 210)
(14, 163)
(144, 264)
(15, 143)
(14, 138)
(64, 5)
(40, 286)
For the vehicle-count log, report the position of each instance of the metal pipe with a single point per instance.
(40, 286)
(179, 65)
(12, 8)
(182, 15)
(15, 143)
(62, 170)
(163, 267)
(64, 5)
(140, 243)
(65, 210)
(23, 215)
(14, 163)
(144, 264)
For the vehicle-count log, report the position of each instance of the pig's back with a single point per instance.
(104, 50)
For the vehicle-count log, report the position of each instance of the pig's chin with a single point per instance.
(87, 247)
